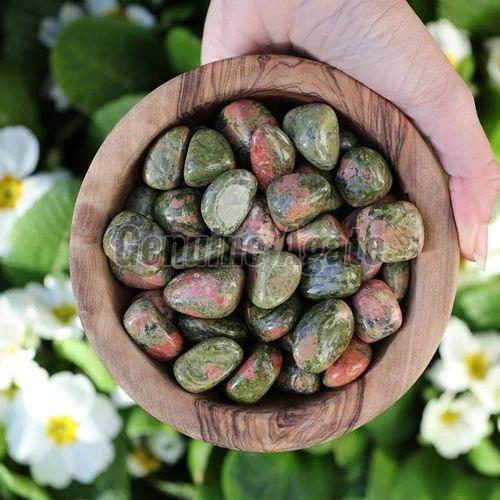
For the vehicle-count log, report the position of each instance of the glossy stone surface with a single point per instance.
(322, 335)
(349, 223)
(258, 233)
(227, 201)
(156, 297)
(198, 329)
(272, 278)
(141, 201)
(135, 244)
(206, 292)
(390, 232)
(154, 333)
(293, 379)
(271, 324)
(163, 166)
(207, 363)
(314, 130)
(286, 342)
(323, 233)
(369, 266)
(178, 212)
(271, 154)
(200, 252)
(208, 155)
(376, 311)
(363, 177)
(134, 280)
(256, 375)
(348, 140)
(239, 120)
(330, 275)
(397, 276)
(296, 199)
(350, 365)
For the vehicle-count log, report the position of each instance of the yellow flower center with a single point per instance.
(64, 312)
(477, 365)
(449, 417)
(453, 60)
(10, 192)
(62, 430)
(10, 392)
(146, 460)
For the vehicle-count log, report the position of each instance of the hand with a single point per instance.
(383, 44)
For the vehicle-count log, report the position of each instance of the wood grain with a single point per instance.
(278, 422)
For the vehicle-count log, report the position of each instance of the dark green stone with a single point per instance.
(293, 379)
(199, 252)
(134, 280)
(335, 201)
(198, 329)
(141, 201)
(156, 297)
(286, 342)
(348, 140)
(397, 276)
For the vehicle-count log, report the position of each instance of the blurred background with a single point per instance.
(68, 72)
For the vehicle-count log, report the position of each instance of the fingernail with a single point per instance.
(481, 247)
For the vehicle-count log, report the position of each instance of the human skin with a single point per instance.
(384, 45)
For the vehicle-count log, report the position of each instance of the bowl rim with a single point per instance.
(279, 422)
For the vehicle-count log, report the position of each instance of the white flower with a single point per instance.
(56, 94)
(140, 15)
(51, 27)
(493, 66)
(63, 430)
(488, 392)
(54, 314)
(453, 42)
(167, 446)
(141, 462)
(466, 359)
(135, 13)
(454, 426)
(121, 399)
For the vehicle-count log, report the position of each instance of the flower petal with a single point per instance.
(87, 460)
(51, 469)
(19, 152)
(457, 341)
(103, 422)
(101, 7)
(140, 15)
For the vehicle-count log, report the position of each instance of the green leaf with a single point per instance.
(350, 449)
(485, 457)
(178, 490)
(176, 14)
(382, 474)
(97, 60)
(40, 238)
(80, 353)
(479, 17)
(3, 442)
(489, 112)
(425, 9)
(320, 449)
(183, 49)
(142, 424)
(198, 455)
(20, 486)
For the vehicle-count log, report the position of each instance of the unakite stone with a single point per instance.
(271, 154)
(363, 177)
(136, 244)
(397, 276)
(323, 233)
(207, 363)
(154, 333)
(156, 297)
(272, 278)
(141, 200)
(239, 120)
(293, 379)
(369, 266)
(163, 166)
(296, 199)
(286, 342)
(256, 375)
(198, 329)
(314, 130)
(335, 201)
(227, 201)
(376, 311)
(353, 362)
(258, 233)
(208, 155)
(178, 212)
(322, 335)
(272, 324)
(347, 140)
(390, 232)
(200, 252)
(330, 274)
(206, 292)
(134, 280)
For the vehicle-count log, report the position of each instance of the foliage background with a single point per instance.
(105, 65)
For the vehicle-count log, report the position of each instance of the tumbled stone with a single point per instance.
(198, 329)
(154, 333)
(206, 292)
(256, 375)
(335, 201)
(376, 311)
(271, 324)
(199, 252)
(271, 154)
(178, 212)
(369, 266)
(390, 232)
(163, 166)
(330, 275)
(363, 177)
(322, 335)
(397, 276)
(227, 201)
(286, 342)
(156, 297)
(272, 278)
(207, 363)
(296, 199)
(348, 140)
(314, 130)
(134, 280)
(349, 223)
(141, 201)
(208, 155)
(323, 233)
(350, 365)
(136, 244)
(293, 379)
(258, 233)
(239, 120)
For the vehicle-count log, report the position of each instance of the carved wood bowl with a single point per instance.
(279, 421)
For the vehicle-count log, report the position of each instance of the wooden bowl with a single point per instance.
(279, 422)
